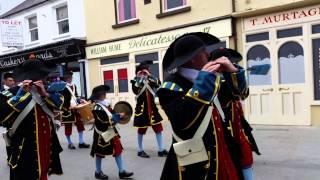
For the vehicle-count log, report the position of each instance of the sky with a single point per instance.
(6, 5)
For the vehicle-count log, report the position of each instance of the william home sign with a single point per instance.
(63, 51)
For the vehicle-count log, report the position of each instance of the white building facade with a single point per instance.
(52, 30)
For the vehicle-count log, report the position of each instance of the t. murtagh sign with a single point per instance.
(11, 33)
(159, 40)
(283, 18)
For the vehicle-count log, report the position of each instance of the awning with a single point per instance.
(62, 51)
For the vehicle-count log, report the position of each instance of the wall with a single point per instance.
(47, 26)
(100, 17)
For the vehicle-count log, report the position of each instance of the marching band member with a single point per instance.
(71, 116)
(144, 86)
(28, 115)
(190, 97)
(106, 139)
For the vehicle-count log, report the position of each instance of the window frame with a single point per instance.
(163, 10)
(116, 6)
(33, 29)
(58, 21)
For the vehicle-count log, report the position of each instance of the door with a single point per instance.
(116, 77)
(278, 91)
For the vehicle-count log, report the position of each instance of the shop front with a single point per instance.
(68, 54)
(287, 45)
(113, 63)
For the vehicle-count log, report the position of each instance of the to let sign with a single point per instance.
(11, 33)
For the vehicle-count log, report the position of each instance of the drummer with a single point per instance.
(70, 116)
(102, 111)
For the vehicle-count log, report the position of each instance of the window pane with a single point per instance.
(169, 4)
(316, 29)
(108, 80)
(259, 65)
(63, 26)
(62, 13)
(123, 80)
(257, 37)
(316, 67)
(291, 63)
(33, 22)
(126, 10)
(147, 57)
(289, 32)
(34, 35)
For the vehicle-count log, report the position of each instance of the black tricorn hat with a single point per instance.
(34, 70)
(143, 65)
(233, 55)
(67, 74)
(99, 90)
(186, 47)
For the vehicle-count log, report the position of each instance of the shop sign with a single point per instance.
(282, 18)
(51, 53)
(220, 29)
(11, 33)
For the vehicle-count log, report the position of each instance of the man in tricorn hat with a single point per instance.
(190, 97)
(71, 116)
(238, 131)
(105, 121)
(28, 115)
(147, 115)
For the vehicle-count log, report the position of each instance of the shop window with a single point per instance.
(33, 28)
(173, 4)
(62, 19)
(123, 80)
(126, 10)
(316, 29)
(259, 64)
(289, 32)
(291, 63)
(150, 57)
(113, 60)
(257, 37)
(316, 68)
(108, 80)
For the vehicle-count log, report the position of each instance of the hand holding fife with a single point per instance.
(225, 65)
(41, 89)
(211, 67)
(26, 85)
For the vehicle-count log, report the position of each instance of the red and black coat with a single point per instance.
(35, 147)
(146, 111)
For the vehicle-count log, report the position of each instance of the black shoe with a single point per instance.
(143, 154)
(163, 153)
(125, 174)
(84, 146)
(100, 175)
(71, 146)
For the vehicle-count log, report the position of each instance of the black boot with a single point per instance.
(71, 146)
(125, 174)
(163, 153)
(143, 154)
(84, 146)
(100, 175)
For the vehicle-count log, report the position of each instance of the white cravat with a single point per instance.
(189, 74)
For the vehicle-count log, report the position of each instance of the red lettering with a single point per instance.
(286, 17)
(295, 13)
(267, 20)
(312, 12)
(303, 14)
(277, 18)
(253, 21)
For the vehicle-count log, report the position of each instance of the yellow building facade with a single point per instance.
(123, 33)
(283, 37)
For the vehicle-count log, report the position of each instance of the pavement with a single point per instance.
(288, 153)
